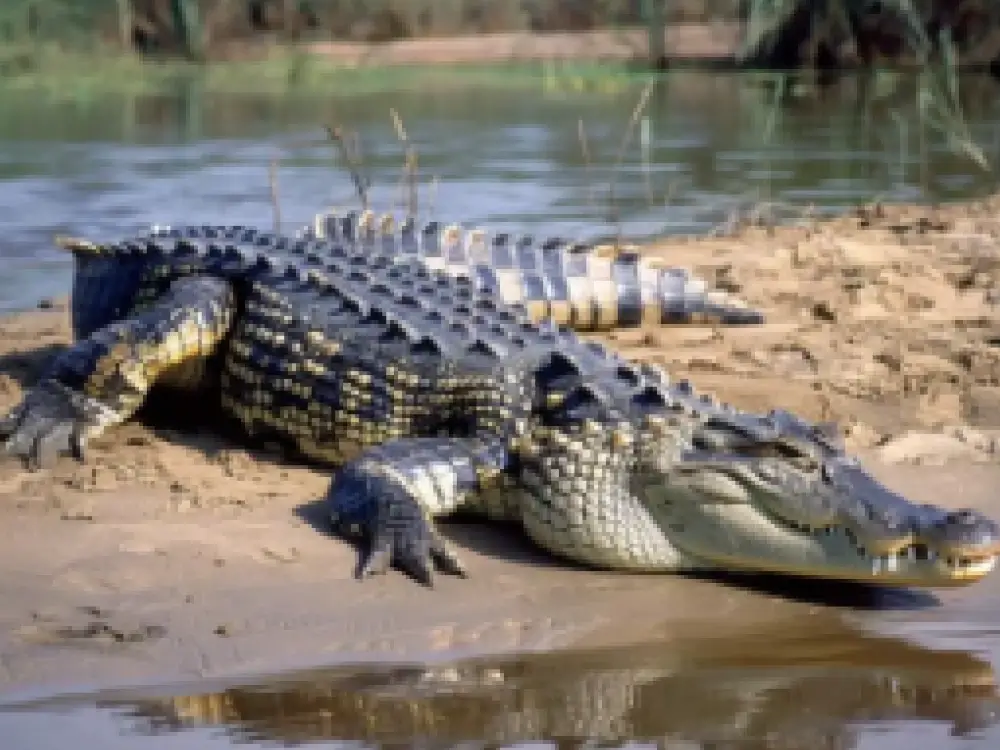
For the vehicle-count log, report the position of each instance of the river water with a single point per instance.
(512, 158)
(509, 157)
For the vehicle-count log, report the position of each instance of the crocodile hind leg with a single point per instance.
(102, 380)
(390, 495)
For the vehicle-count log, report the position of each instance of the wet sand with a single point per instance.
(178, 555)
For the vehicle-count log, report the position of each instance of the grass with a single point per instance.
(48, 69)
(938, 104)
(843, 25)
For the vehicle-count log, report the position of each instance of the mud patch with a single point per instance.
(87, 625)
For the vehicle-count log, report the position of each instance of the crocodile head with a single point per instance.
(817, 514)
(700, 485)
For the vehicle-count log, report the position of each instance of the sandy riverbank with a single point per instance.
(683, 42)
(173, 555)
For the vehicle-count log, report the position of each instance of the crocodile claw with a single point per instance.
(416, 552)
(52, 420)
(394, 525)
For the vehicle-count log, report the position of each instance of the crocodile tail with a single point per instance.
(604, 288)
(580, 285)
(686, 299)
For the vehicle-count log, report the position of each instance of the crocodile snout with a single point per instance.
(963, 533)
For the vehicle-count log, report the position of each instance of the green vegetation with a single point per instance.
(194, 28)
(73, 39)
(809, 36)
(795, 34)
(55, 71)
(72, 46)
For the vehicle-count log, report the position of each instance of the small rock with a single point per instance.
(929, 448)
(861, 435)
(978, 440)
(183, 505)
(823, 311)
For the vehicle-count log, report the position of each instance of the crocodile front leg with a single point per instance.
(390, 495)
(102, 380)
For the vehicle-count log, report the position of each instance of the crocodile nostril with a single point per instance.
(962, 517)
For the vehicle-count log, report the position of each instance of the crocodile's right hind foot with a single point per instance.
(52, 420)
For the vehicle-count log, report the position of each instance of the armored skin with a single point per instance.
(437, 370)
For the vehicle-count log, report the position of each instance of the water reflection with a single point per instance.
(795, 686)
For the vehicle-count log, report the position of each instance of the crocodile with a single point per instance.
(432, 381)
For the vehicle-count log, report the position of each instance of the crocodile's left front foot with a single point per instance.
(387, 513)
(52, 420)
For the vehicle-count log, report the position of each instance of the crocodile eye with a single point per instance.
(767, 471)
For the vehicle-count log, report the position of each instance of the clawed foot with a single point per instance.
(51, 421)
(397, 530)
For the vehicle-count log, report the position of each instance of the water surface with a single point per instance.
(796, 685)
(105, 164)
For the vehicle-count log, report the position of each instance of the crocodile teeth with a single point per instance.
(887, 563)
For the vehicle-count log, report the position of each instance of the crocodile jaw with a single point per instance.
(721, 517)
(740, 537)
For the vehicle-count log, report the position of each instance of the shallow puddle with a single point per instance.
(801, 685)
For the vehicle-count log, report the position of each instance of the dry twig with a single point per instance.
(626, 140)
(409, 177)
(585, 150)
(352, 160)
(275, 202)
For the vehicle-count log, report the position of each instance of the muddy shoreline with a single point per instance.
(176, 556)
